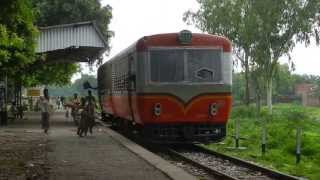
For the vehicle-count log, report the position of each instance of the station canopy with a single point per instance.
(69, 43)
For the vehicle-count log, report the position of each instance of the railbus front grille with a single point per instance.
(185, 132)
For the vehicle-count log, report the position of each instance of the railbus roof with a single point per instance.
(170, 39)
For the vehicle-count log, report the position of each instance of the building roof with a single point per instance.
(76, 42)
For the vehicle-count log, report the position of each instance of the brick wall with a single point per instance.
(306, 90)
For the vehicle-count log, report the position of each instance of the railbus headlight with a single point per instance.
(213, 109)
(157, 109)
(185, 37)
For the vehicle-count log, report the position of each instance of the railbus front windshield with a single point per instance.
(178, 65)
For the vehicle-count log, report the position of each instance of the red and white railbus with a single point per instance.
(173, 87)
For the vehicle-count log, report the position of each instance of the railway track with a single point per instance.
(208, 164)
(224, 167)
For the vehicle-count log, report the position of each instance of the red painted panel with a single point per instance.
(136, 109)
(121, 106)
(172, 110)
(107, 104)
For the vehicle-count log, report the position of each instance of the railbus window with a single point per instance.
(204, 65)
(186, 65)
(167, 65)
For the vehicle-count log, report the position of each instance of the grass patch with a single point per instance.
(281, 134)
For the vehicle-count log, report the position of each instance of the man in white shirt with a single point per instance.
(45, 109)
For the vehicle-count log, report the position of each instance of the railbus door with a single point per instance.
(131, 84)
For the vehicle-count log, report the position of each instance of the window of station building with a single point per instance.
(204, 65)
(167, 65)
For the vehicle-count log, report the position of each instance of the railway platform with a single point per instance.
(62, 155)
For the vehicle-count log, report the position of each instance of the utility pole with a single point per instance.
(237, 127)
(298, 145)
(237, 136)
(263, 136)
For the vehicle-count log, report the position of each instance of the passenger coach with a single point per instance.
(173, 87)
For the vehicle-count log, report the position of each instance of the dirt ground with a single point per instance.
(23, 154)
(28, 153)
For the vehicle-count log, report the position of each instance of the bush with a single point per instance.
(281, 138)
(243, 112)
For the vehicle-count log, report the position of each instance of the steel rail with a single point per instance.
(269, 172)
(207, 169)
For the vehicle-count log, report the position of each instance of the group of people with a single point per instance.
(16, 111)
(82, 112)
(60, 102)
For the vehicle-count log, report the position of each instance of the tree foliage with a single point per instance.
(263, 30)
(284, 80)
(284, 84)
(49, 74)
(75, 87)
(17, 36)
(232, 19)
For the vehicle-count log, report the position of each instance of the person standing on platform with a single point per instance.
(62, 101)
(45, 109)
(74, 107)
(91, 105)
(58, 102)
(83, 124)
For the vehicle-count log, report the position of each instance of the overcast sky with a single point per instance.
(135, 19)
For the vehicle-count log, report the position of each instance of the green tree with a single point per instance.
(17, 36)
(228, 18)
(268, 29)
(238, 87)
(49, 74)
(313, 79)
(258, 85)
(284, 81)
(75, 87)
(280, 26)
(78, 84)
